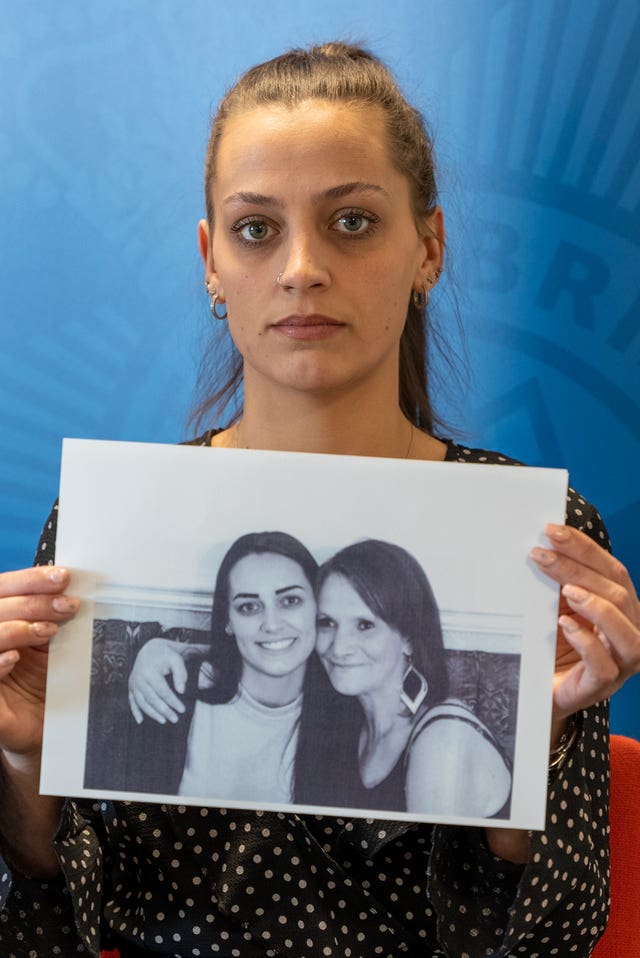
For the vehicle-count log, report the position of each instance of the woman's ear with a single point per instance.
(206, 252)
(432, 233)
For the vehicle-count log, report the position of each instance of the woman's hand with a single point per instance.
(149, 690)
(32, 605)
(599, 626)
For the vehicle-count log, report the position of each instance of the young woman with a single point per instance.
(322, 240)
(236, 704)
(379, 638)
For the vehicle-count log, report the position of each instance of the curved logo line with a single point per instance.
(573, 368)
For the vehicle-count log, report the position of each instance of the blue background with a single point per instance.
(102, 135)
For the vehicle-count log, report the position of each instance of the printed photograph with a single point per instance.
(322, 684)
(293, 637)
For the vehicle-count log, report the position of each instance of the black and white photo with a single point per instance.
(284, 642)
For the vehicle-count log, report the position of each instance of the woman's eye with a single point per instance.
(252, 231)
(248, 608)
(290, 601)
(325, 622)
(365, 624)
(355, 223)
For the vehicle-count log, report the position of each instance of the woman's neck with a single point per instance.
(384, 736)
(356, 422)
(272, 690)
(383, 712)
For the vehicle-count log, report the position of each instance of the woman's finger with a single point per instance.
(135, 711)
(577, 545)
(7, 661)
(35, 580)
(614, 630)
(155, 704)
(160, 694)
(17, 635)
(35, 607)
(574, 556)
(593, 678)
(564, 570)
(179, 676)
(145, 708)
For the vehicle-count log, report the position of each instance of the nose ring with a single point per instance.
(279, 280)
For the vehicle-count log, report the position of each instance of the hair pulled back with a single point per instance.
(337, 72)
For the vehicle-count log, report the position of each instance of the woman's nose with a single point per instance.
(305, 266)
(342, 645)
(271, 619)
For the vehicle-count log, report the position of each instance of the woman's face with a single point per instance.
(272, 614)
(309, 194)
(361, 652)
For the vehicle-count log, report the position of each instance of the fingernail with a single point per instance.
(568, 623)
(57, 575)
(63, 603)
(542, 556)
(575, 592)
(559, 533)
(44, 628)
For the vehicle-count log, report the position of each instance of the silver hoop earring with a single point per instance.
(420, 297)
(215, 304)
(414, 688)
(228, 630)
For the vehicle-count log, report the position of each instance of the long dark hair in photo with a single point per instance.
(393, 585)
(321, 731)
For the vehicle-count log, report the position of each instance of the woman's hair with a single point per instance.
(224, 658)
(393, 585)
(317, 779)
(337, 72)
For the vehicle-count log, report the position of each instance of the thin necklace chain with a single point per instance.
(236, 433)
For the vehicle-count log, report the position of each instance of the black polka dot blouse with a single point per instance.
(180, 881)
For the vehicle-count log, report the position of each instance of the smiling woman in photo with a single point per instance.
(236, 703)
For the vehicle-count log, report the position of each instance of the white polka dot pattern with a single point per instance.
(176, 881)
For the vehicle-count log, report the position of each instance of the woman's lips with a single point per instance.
(311, 327)
(277, 645)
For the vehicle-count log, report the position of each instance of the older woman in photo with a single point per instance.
(380, 639)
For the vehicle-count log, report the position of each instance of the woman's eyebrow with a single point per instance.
(256, 595)
(332, 193)
(246, 196)
(344, 189)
